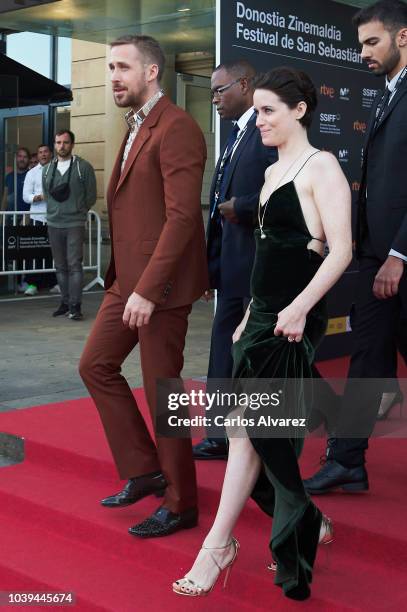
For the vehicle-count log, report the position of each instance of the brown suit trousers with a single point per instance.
(161, 349)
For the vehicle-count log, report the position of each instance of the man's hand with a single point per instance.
(386, 283)
(227, 210)
(38, 198)
(138, 311)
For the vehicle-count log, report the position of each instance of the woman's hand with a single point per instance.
(291, 323)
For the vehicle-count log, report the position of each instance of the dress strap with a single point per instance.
(319, 239)
(306, 161)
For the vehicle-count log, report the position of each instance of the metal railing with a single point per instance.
(91, 254)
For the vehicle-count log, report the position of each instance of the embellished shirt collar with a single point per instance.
(135, 119)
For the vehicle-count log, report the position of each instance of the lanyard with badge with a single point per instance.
(227, 154)
(385, 98)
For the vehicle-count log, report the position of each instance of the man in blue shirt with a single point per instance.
(9, 203)
(23, 160)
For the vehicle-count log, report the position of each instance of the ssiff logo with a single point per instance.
(369, 93)
(327, 91)
(359, 126)
(368, 96)
(329, 117)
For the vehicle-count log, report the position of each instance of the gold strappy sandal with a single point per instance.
(326, 536)
(185, 586)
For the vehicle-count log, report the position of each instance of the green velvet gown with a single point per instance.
(283, 267)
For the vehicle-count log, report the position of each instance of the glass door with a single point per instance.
(25, 127)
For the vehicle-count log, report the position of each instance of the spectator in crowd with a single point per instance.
(33, 161)
(14, 200)
(32, 194)
(69, 188)
(10, 202)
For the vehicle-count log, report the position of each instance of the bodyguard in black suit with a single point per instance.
(381, 247)
(236, 184)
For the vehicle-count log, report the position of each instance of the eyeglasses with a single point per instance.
(219, 91)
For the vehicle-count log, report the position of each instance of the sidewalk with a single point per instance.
(40, 354)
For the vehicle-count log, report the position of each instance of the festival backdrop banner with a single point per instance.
(316, 36)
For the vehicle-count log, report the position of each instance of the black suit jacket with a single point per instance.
(384, 211)
(231, 247)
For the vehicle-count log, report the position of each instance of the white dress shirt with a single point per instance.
(392, 84)
(242, 125)
(33, 187)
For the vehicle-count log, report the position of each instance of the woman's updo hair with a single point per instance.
(291, 86)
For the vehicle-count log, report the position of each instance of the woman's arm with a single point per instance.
(333, 200)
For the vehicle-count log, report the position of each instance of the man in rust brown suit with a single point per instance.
(157, 270)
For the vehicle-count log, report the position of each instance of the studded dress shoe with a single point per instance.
(333, 476)
(210, 449)
(164, 522)
(136, 489)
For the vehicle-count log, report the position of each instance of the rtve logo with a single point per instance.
(355, 186)
(327, 91)
(359, 126)
(329, 117)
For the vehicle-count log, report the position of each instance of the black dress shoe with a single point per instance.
(136, 489)
(210, 449)
(333, 476)
(61, 310)
(164, 522)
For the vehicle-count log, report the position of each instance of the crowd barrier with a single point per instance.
(18, 237)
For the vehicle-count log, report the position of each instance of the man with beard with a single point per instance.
(69, 188)
(157, 270)
(381, 247)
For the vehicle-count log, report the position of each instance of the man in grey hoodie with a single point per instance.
(69, 187)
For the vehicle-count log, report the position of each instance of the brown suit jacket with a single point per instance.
(154, 205)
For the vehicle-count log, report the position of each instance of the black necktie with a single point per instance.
(382, 106)
(224, 167)
(230, 143)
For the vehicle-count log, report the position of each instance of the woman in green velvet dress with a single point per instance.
(305, 202)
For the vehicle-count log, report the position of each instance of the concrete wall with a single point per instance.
(88, 114)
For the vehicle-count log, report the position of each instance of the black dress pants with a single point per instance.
(375, 328)
(229, 313)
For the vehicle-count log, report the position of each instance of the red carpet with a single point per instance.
(56, 537)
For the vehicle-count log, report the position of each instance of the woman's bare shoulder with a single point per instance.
(324, 160)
